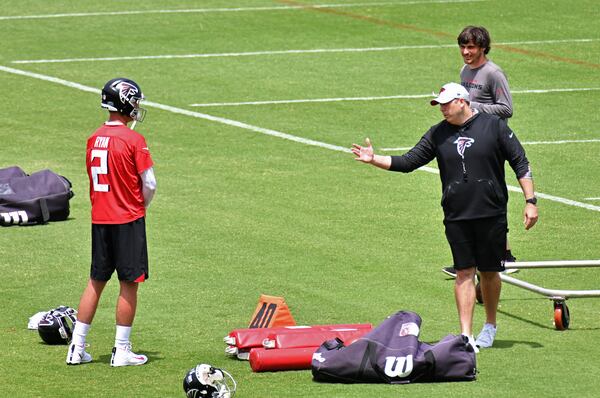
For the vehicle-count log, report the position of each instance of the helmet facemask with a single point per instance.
(138, 114)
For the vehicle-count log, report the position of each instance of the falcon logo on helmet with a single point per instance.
(126, 90)
(123, 95)
(205, 381)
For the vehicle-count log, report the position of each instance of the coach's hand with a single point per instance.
(530, 215)
(363, 153)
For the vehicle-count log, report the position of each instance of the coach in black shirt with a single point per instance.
(470, 149)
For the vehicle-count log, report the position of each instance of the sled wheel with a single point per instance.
(561, 315)
(478, 294)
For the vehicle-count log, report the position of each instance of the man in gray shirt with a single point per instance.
(487, 86)
(483, 79)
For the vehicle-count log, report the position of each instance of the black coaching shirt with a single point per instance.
(471, 161)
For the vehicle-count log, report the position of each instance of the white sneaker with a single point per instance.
(486, 337)
(123, 356)
(76, 355)
(471, 342)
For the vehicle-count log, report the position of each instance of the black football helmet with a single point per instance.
(205, 381)
(56, 327)
(123, 95)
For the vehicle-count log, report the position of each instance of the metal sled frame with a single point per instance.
(561, 311)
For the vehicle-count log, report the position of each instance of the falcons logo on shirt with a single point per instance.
(463, 143)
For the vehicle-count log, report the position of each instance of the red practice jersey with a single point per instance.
(115, 157)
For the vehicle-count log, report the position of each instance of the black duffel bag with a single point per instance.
(33, 199)
(392, 353)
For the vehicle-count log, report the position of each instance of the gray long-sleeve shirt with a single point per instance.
(488, 89)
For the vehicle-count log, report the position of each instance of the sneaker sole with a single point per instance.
(77, 363)
(129, 364)
(453, 275)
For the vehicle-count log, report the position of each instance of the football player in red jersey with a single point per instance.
(122, 184)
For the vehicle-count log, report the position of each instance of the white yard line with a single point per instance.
(591, 198)
(555, 90)
(231, 54)
(260, 130)
(231, 9)
(556, 142)
(284, 52)
(181, 111)
(387, 97)
(297, 101)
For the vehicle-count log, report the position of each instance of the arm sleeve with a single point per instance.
(148, 185)
(502, 105)
(419, 155)
(513, 151)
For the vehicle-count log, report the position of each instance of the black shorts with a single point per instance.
(120, 247)
(478, 243)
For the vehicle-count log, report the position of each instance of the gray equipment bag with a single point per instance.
(391, 353)
(33, 199)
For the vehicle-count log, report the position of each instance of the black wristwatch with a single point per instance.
(533, 201)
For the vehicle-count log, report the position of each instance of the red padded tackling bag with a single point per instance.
(240, 341)
(249, 338)
(291, 339)
(263, 360)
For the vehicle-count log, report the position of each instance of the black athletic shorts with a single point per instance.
(478, 243)
(120, 247)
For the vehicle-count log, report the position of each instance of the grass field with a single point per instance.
(265, 198)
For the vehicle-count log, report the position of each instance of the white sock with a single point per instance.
(471, 342)
(122, 336)
(80, 331)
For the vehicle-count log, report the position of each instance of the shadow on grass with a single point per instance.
(519, 318)
(542, 325)
(512, 343)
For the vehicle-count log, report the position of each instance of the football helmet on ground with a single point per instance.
(206, 381)
(56, 327)
(123, 95)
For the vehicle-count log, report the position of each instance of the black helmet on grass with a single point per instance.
(205, 381)
(56, 327)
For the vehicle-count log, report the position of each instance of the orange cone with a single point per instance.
(271, 311)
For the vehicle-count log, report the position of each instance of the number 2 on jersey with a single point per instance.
(101, 154)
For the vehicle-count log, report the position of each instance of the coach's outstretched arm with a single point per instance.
(365, 154)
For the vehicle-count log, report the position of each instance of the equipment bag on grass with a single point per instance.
(33, 199)
(392, 353)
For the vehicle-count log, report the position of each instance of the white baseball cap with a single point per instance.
(449, 92)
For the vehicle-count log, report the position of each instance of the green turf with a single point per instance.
(238, 213)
